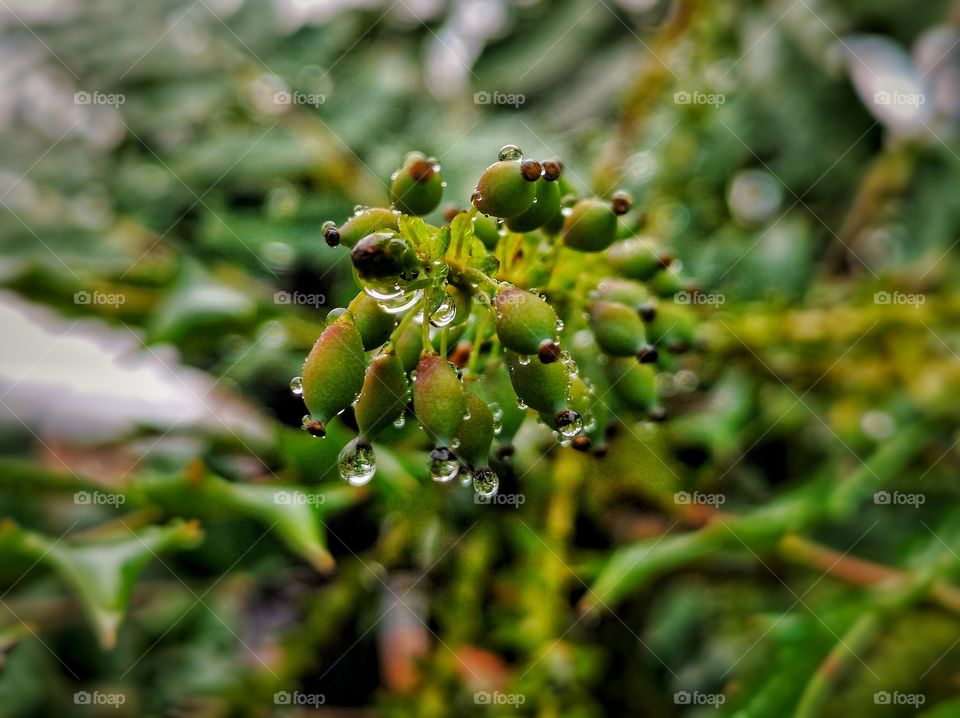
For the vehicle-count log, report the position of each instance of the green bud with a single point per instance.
(591, 226)
(503, 191)
(383, 397)
(666, 283)
(374, 324)
(476, 432)
(673, 326)
(486, 228)
(624, 291)
(619, 330)
(524, 321)
(385, 256)
(635, 384)
(417, 187)
(542, 387)
(409, 346)
(636, 258)
(438, 398)
(545, 207)
(368, 221)
(333, 372)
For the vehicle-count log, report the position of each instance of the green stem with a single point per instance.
(401, 327)
(477, 341)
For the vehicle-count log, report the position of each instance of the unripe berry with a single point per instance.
(438, 398)
(636, 258)
(409, 346)
(374, 324)
(542, 387)
(591, 226)
(383, 397)
(385, 255)
(486, 229)
(475, 434)
(624, 291)
(546, 206)
(503, 191)
(666, 283)
(523, 320)
(367, 221)
(673, 325)
(333, 372)
(636, 384)
(618, 328)
(417, 187)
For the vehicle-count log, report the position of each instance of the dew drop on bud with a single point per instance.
(443, 465)
(401, 420)
(444, 314)
(332, 316)
(569, 423)
(357, 463)
(296, 385)
(486, 483)
(510, 152)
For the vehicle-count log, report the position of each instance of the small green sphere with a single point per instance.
(417, 187)
(503, 191)
(591, 226)
(546, 206)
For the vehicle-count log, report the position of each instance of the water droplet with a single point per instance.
(455, 444)
(486, 483)
(383, 293)
(569, 423)
(329, 224)
(360, 208)
(445, 313)
(296, 385)
(521, 404)
(401, 420)
(402, 302)
(357, 463)
(443, 465)
(510, 152)
(334, 314)
(524, 360)
(559, 326)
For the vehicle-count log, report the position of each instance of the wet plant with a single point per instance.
(533, 302)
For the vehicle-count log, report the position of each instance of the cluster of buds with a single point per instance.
(448, 329)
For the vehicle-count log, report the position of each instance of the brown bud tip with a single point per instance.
(530, 169)
(665, 259)
(600, 451)
(315, 428)
(658, 414)
(647, 312)
(621, 202)
(331, 235)
(421, 171)
(548, 351)
(678, 346)
(581, 443)
(647, 354)
(460, 354)
(505, 451)
(450, 213)
(551, 170)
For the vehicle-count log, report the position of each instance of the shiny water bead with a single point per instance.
(333, 372)
(486, 483)
(443, 465)
(510, 152)
(357, 463)
(417, 187)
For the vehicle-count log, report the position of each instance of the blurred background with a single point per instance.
(174, 545)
